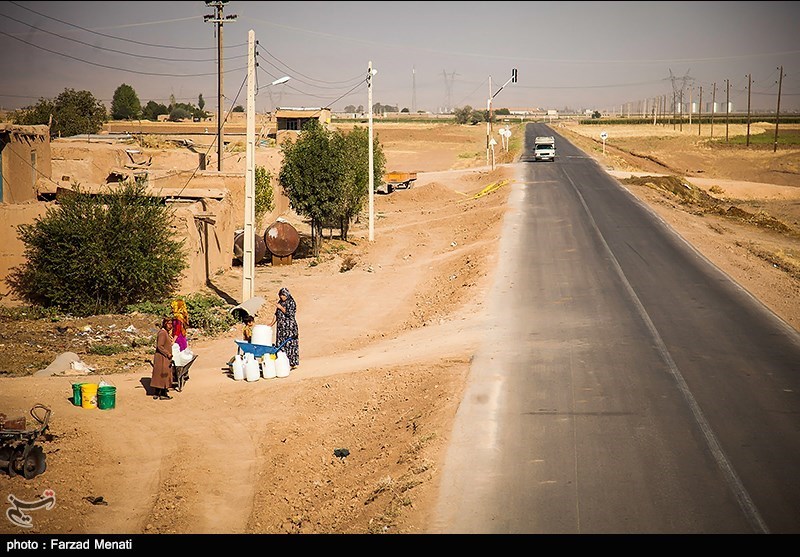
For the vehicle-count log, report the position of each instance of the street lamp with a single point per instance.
(248, 251)
(512, 79)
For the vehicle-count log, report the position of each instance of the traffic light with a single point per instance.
(514, 75)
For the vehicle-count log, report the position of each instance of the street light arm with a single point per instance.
(501, 88)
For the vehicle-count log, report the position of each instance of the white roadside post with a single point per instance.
(604, 136)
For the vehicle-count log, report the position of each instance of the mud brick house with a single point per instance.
(25, 160)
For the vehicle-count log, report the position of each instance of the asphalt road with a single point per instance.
(625, 384)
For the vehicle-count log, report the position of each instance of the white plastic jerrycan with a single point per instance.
(282, 366)
(268, 370)
(238, 367)
(252, 372)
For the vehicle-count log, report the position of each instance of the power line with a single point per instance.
(107, 66)
(296, 73)
(217, 138)
(114, 50)
(118, 38)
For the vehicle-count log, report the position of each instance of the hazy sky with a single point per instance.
(429, 55)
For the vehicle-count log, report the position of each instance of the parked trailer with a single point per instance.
(396, 180)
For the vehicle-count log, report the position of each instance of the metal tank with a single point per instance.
(259, 247)
(282, 240)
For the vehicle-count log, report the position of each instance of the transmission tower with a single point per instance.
(448, 88)
(677, 91)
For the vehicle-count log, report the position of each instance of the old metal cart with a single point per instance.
(180, 374)
(19, 455)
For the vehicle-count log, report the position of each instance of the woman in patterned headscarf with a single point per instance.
(286, 319)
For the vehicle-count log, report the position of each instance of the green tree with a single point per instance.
(310, 179)
(153, 110)
(179, 113)
(263, 193)
(326, 176)
(596, 114)
(238, 108)
(354, 182)
(92, 255)
(33, 115)
(73, 112)
(463, 114)
(125, 104)
(201, 102)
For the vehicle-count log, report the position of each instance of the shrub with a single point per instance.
(209, 313)
(93, 255)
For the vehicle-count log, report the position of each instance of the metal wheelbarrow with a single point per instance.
(180, 374)
(18, 453)
(258, 350)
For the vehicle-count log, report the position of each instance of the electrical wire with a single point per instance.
(119, 51)
(114, 67)
(215, 137)
(120, 38)
(294, 72)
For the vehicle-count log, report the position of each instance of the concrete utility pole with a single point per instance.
(248, 256)
(778, 110)
(713, 107)
(218, 19)
(749, 85)
(370, 74)
(700, 112)
(488, 119)
(727, 106)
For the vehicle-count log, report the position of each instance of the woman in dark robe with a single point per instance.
(286, 319)
(161, 380)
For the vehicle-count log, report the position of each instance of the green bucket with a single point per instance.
(106, 397)
(76, 393)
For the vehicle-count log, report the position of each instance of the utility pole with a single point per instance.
(700, 112)
(691, 89)
(413, 90)
(727, 106)
(488, 119)
(713, 107)
(218, 18)
(680, 112)
(370, 75)
(749, 85)
(778, 110)
(512, 79)
(673, 110)
(248, 256)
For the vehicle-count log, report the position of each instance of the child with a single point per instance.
(247, 330)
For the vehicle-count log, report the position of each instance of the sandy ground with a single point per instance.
(385, 352)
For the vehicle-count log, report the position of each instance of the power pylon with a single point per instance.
(448, 88)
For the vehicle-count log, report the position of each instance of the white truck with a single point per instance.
(544, 148)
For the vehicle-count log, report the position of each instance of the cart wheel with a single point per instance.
(34, 463)
(15, 460)
(7, 455)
